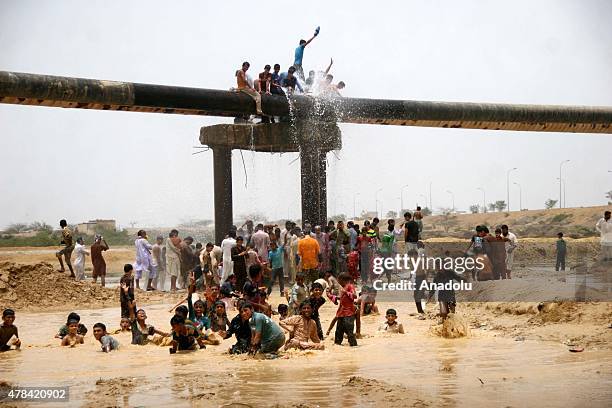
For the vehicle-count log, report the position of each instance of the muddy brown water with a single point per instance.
(482, 370)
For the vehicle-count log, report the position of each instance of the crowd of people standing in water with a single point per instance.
(317, 264)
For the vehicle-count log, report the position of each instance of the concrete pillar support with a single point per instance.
(222, 175)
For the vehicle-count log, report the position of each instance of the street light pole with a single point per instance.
(376, 199)
(453, 196)
(520, 196)
(402, 198)
(430, 203)
(508, 187)
(562, 181)
(561, 178)
(484, 199)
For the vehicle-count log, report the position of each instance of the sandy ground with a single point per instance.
(514, 354)
(115, 258)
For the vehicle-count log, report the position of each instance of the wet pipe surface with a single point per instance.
(54, 91)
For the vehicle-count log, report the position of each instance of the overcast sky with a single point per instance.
(139, 167)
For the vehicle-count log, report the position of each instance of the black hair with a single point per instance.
(302, 42)
(173, 233)
(341, 84)
(141, 233)
(100, 325)
(291, 69)
(376, 220)
(276, 66)
(407, 215)
(198, 245)
(479, 228)
(607, 213)
(316, 285)
(209, 244)
(127, 268)
(246, 63)
(282, 308)
(73, 316)
(8, 312)
(239, 238)
(246, 305)
(267, 66)
(177, 320)
(63, 223)
(232, 234)
(391, 312)
(498, 230)
(418, 209)
(198, 302)
(504, 226)
(182, 310)
(344, 277)
(305, 303)
(485, 229)
(254, 270)
(299, 275)
(560, 234)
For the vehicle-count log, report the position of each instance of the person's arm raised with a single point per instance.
(330, 65)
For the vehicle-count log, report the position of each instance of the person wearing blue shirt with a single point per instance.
(290, 81)
(299, 55)
(275, 255)
(275, 88)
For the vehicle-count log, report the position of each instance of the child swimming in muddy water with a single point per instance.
(72, 338)
(109, 343)
(219, 322)
(9, 336)
(283, 311)
(367, 301)
(391, 325)
(63, 330)
(183, 336)
(125, 326)
(242, 331)
(141, 330)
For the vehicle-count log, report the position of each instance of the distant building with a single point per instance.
(93, 226)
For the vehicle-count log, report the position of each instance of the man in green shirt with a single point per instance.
(266, 335)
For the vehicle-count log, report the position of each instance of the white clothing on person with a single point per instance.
(79, 261)
(605, 231)
(510, 245)
(260, 241)
(143, 258)
(228, 265)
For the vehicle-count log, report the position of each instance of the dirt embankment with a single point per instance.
(571, 323)
(573, 222)
(39, 287)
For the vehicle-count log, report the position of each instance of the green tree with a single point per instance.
(426, 211)
(500, 205)
(550, 203)
(491, 206)
(391, 214)
(474, 208)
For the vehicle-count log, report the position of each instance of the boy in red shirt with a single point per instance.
(346, 311)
